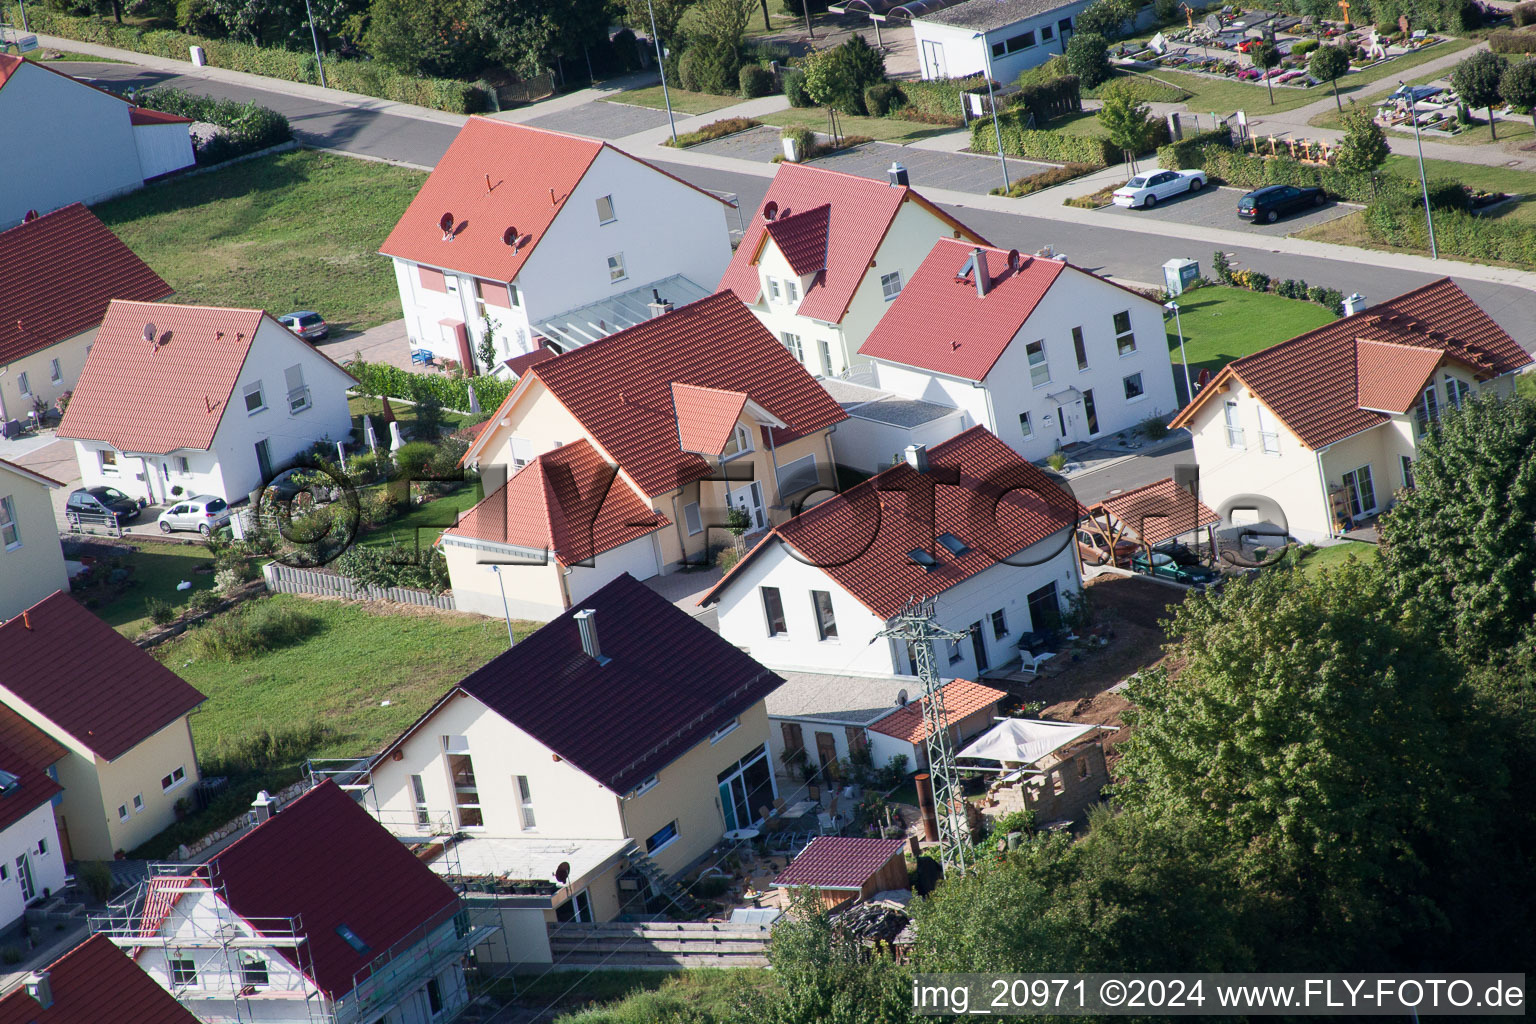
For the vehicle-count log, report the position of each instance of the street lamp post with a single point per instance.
(986, 55)
(662, 67)
(1429, 218)
(315, 38)
(1189, 389)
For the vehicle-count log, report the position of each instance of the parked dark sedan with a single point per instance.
(1164, 567)
(1270, 203)
(96, 503)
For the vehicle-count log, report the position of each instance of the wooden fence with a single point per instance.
(286, 579)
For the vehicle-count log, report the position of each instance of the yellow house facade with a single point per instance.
(31, 560)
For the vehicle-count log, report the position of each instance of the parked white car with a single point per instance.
(1145, 190)
(203, 513)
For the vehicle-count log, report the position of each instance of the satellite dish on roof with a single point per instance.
(902, 698)
(149, 332)
(563, 872)
(1014, 259)
(509, 236)
(770, 210)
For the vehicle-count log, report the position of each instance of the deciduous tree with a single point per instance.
(1518, 85)
(1130, 124)
(1364, 148)
(1476, 80)
(1088, 58)
(1329, 64)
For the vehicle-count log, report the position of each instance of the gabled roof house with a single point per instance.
(538, 238)
(236, 396)
(316, 909)
(119, 714)
(31, 558)
(87, 144)
(1043, 354)
(624, 728)
(968, 523)
(1321, 430)
(827, 252)
(57, 274)
(624, 454)
(30, 853)
(93, 982)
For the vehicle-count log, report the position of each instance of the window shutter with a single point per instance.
(794, 739)
(295, 377)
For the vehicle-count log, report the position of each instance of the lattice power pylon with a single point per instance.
(915, 624)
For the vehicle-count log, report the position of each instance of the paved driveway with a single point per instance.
(964, 172)
(760, 144)
(1217, 208)
(603, 120)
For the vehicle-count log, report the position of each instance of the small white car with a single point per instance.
(1144, 190)
(204, 513)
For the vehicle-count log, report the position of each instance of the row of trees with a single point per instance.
(1335, 778)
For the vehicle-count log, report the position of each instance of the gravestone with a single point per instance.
(1212, 23)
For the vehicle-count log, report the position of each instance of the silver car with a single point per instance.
(203, 513)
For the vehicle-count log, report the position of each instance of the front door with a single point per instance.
(264, 459)
(826, 751)
(749, 499)
(24, 877)
(933, 59)
(979, 644)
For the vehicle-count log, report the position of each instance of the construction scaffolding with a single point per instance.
(915, 624)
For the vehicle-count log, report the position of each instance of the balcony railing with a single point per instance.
(1236, 438)
(1270, 439)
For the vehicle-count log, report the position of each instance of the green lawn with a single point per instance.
(57, 57)
(1222, 324)
(613, 996)
(419, 528)
(298, 230)
(683, 101)
(881, 129)
(155, 569)
(1223, 96)
(404, 413)
(338, 676)
(1335, 555)
(1494, 179)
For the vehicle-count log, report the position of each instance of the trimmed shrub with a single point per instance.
(687, 73)
(793, 80)
(883, 98)
(805, 139)
(1088, 58)
(939, 101)
(1524, 14)
(1508, 41)
(395, 567)
(382, 379)
(1046, 179)
(1051, 146)
(1049, 99)
(365, 77)
(1302, 47)
(1177, 156)
(755, 80)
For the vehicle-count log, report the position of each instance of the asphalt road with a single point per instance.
(1130, 255)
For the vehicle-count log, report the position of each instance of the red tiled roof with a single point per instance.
(496, 176)
(995, 502)
(46, 481)
(1159, 511)
(116, 695)
(568, 502)
(840, 862)
(962, 697)
(802, 238)
(57, 274)
(8, 66)
(619, 388)
(325, 859)
(27, 741)
(860, 212)
(518, 365)
(1310, 381)
(33, 789)
(1390, 377)
(93, 983)
(706, 417)
(144, 115)
(623, 721)
(939, 323)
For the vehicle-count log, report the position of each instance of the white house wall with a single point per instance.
(163, 148)
(872, 445)
(81, 146)
(21, 839)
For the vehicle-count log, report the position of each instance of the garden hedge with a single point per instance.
(755, 80)
(1400, 223)
(382, 379)
(883, 98)
(1244, 170)
(1435, 15)
(1032, 144)
(247, 127)
(1050, 99)
(1176, 156)
(938, 101)
(366, 77)
(1509, 41)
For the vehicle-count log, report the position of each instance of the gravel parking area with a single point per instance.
(602, 120)
(1217, 208)
(760, 144)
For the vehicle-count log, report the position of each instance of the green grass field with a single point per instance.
(1335, 555)
(156, 569)
(419, 528)
(338, 676)
(683, 101)
(298, 230)
(1494, 179)
(57, 57)
(1222, 324)
(881, 129)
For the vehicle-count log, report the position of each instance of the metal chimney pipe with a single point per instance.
(586, 623)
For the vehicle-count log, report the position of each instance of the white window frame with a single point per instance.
(23, 384)
(616, 270)
(645, 787)
(527, 818)
(824, 350)
(173, 969)
(725, 730)
(1037, 367)
(1080, 349)
(1026, 424)
(10, 531)
(1231, 417)
(1125, 382)
(778, 596)
(1120, 336)
(890, 285)
(826, 626)
(106, 460)
(1269, 434)
(674, 837)
(791, 290)
(55, 372)
(178, 777)
(612, 215)
(743, 438)
(183, 467)
(298, 397)
(795, 345)
(1456, 390)
(1405, 463)
(254, 389)
(122, 812)
(138, 803)
(774, 294)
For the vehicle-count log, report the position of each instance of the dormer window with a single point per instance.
(791, 290)
(773, 290)
(739, 444)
